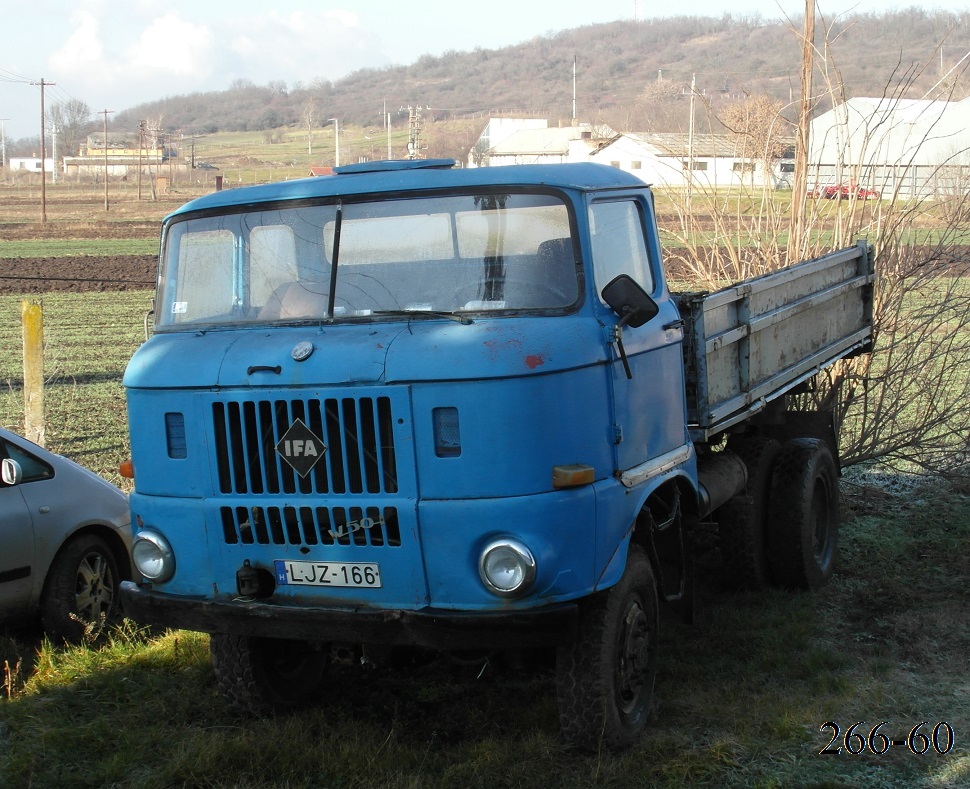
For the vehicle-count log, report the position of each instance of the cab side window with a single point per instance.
(618, 242)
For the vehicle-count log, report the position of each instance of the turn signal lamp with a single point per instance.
(127, 469)
(572, 476)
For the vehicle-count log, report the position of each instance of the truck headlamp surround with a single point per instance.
(153, 556)
(507, 567)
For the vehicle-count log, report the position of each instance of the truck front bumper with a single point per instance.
(433, 628)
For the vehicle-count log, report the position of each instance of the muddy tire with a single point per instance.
(804, 515)
(605, 678)
(266, 675)
(742, 521)
(81, 592)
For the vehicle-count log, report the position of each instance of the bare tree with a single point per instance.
(754, 122)
(662, 107)
(72, 118)
(309, 121)
(904, 404)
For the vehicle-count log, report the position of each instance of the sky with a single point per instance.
(115, 54)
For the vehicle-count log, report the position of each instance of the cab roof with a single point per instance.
(395, 176)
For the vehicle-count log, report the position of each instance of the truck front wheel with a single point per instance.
(804, 515)
(266, 675)
(605, 678)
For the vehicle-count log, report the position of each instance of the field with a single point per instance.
(762, 691)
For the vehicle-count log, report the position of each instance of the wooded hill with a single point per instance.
(632, 76)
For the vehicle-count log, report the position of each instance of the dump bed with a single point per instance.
(752, 342)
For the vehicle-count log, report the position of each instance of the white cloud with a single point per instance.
(170, 45)
(83, 51)
(301, 45)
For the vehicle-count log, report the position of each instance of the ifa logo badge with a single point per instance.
(301, 448)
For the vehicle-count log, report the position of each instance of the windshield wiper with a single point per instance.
(462, 319)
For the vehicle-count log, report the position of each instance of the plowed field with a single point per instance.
(77, 274)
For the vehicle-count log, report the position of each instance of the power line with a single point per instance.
(9, 76)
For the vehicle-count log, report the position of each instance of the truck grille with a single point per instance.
(370, 526)
(358, 432)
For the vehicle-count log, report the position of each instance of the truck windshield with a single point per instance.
(366, 261)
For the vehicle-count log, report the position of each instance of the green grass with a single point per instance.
(89, 338)
(63, 247)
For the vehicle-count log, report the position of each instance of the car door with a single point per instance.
(16, 544)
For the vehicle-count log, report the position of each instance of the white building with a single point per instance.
(909, 147)
(711, 160)
(30, 164)
(544, 145)
(500, 129)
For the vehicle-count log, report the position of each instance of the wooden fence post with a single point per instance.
(32, 318)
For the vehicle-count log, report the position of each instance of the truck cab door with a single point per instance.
(649, 411)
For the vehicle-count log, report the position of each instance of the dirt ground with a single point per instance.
(77, 274)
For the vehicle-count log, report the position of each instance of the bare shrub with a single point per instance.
(906, 403)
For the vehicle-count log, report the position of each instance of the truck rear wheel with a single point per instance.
(804, 514)
(266, 675)
(605, 678)
(742, 520)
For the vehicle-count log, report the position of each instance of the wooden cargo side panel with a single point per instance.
(752, 342)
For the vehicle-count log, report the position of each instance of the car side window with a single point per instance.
(33, 468)
(619, 245)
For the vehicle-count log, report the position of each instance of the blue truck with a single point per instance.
(413, 405)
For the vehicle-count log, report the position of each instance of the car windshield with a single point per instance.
(364, 261)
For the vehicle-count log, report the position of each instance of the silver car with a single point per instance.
(65, 542)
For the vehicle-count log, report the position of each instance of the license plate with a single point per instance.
(359, 574)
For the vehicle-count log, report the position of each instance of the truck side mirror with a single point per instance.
(10, 472)
(628, 300)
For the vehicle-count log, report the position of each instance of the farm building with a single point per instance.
(123, 155)
(30, 164)
(546, 145)
(662, 159)
(894, 146)
(497, 131)
(708, 159)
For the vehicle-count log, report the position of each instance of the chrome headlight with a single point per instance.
(153, 556)
(507, 567)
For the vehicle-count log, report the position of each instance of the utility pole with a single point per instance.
(690, 141)
(43, 152)
(105, 113)
(414, 130)
(54, 151)
(336, 139)
(141, 146)
(799, 197)
(3, 145)
(574, 90)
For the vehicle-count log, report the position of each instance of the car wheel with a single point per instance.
(266, 675)
(81, 591)
(605, 678)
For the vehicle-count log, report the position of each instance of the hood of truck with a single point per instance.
(419, 350)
